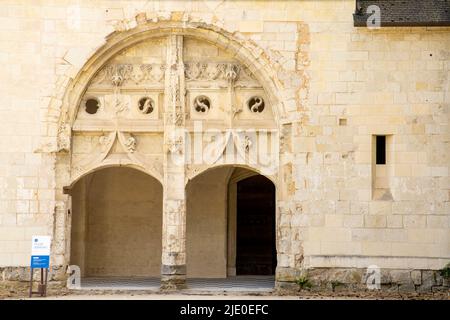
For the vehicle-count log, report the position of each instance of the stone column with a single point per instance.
(173, 268)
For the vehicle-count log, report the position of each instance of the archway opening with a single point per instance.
(230, 224)
(255, 227)
(116, 226)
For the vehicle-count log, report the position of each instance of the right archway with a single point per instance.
(255, 226)
(231, 224)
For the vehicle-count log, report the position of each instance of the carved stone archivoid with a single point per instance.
(122, 74)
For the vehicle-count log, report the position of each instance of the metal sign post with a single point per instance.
(40, 259)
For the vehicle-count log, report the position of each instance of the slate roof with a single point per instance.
(405, 13)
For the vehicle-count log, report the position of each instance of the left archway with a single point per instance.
(117, 223)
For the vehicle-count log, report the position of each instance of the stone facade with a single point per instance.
(124, 83)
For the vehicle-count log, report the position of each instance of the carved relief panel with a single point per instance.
(234, 95)
(129, 87)
(151, 89)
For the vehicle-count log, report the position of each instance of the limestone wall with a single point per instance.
(347, 84)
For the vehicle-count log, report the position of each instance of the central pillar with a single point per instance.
(173, 267)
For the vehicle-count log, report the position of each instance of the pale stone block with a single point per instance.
(375, 221)
(376, 248)
(333, 220)
(395, 235)
(8, 246)
(20, 259)
(415, 249)
(414, 221)
(22, 206)
(380, 207)
(251, 26)
(353, 221)
(359, 207)
(311, 247)
(342, 207)
(367, 235)
(437, 221)
(339, 248)
(5, 259)
(394, 221)
(29, 232)
(329, 234)
(11, 233)
(439, 171)
(425, 236)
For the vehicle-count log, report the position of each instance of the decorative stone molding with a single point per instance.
(100, 157)
(232, 71)
(175, 89)
(130, 144)
(246, 144)
(121, 74)
(208, 71)
(105, 141)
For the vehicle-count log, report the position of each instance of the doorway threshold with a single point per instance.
(235, 284)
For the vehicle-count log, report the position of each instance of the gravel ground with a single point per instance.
(65, 294)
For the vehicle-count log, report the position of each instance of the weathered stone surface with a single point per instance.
(416, 277)
(173, 270)
(401, 277)
(173, 282)
(287, 274)
(409, 287)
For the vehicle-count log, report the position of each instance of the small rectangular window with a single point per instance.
(381, 149)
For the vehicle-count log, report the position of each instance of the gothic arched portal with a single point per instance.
(171, 102)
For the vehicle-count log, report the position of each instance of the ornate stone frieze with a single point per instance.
(121, 74)
(209, 71)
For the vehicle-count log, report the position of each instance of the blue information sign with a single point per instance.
(40, 252)
(40, 261)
